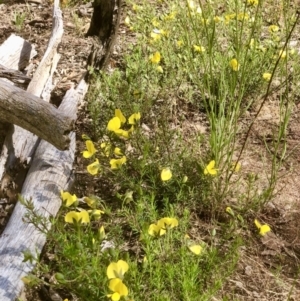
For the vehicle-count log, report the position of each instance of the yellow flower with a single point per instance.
(229, 211)
(242, 16)
(68, 198)
(170, 16)
(179, 43)
(196, 249)
(155, 230)
(134, 118)
(114, 124)
(155, 58)
(94, 168)
(273, 28)
(263, 229)
(117, 269)
(117, 163)
(166, 174)
(95, 213)
(119, 289)
(77, 217)
(282, 54)
(236, 166)
(122, 133)
(101, 233)
(160, 69)
(267, 76)
(155, 36)
(252, 2)
(162, 225)
(119, 114)
(155, 22)
(199, 48)
(210, 168)
(136, 7)
(234, 65)
(90, 149)
(118, 152)
(91, 202)
(167, 222)
(218, 19)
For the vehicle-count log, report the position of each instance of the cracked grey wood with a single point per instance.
(50, 172)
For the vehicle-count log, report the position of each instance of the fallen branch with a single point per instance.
(50, 172)
(40, 118)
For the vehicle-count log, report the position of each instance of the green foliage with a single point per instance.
(167, 149)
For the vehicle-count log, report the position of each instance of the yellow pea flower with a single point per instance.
(273, 28)
(118, 152)
(234, 65)
(282, 54)
(101, 233)
(263, 229)
(179, 43)
(90, 149)
(94, 168)
(156, 230)
(91, 202)
(68, 198)
(155, 58)
(114, 124)
(160, 69)
(252, 2)
(229, 211)
(117, 163)
(155, 22)
(79, 217)
(118, 288)
(134, 118)
(196, 249)
(122, 133)
(119, 114)
(166, 174)
(236, 166)
(167, 222)
(267, 76)
(210, 168)
(95, 213)
(155, 36)
(199, 49)
(117, 269)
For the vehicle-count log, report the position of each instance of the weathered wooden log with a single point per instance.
(50, 172)
(14, 76)
(22, 52)
(20, 145)
(15, 53)
(31, 113)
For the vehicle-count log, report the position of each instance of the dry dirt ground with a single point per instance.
(268, 269)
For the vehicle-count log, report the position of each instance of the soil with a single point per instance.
(257, 276)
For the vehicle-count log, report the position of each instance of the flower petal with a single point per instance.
(119, 114)
(71, 217)
(114, 124)
(166, 174)
(196, 249)
(94, 168)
